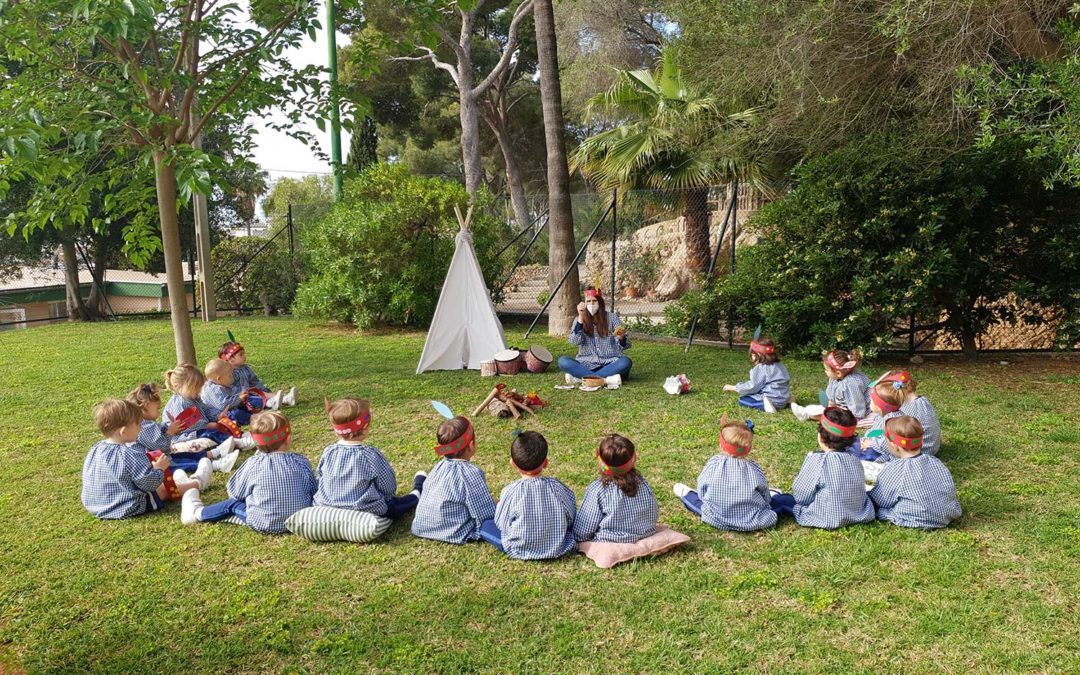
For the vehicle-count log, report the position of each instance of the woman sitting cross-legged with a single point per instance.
(601, 339)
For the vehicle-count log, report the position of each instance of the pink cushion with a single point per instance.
(608, 554)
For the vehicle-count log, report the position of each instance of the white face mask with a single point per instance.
(592, 307)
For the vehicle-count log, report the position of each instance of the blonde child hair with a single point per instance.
(216, 368)
(185, 379)
(345, 410)
(738, 435)
(148, 392)
(267, 423)
(889, 393)
(113, 414)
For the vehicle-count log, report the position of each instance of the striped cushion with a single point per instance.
(326, 523)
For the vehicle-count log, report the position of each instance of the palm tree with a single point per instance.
(669, 137)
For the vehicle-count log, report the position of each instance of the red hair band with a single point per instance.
(353, 426)
(592, 293)
(756, 346)
(835, 364)
(729, 447)
(905, 442)
(834, 428)
(901, 376)
(271, 437)
(458, 444)
(885, 406)
(230, 350)
(619, 470)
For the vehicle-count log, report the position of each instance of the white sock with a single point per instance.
(681, 490)
(769, 407)
(191, 507)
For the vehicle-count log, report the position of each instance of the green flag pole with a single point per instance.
(335, 115)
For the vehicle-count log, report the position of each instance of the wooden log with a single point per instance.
(489, 399)
(499, 409)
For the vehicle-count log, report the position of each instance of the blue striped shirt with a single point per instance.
(916, 492)
(273, 486)
(217, 400)
(536, 518)
(771, 380)
(594, 351)
(116, 480)
(734, 494)
(920, 408)
(355, 476)
(852, 393)
(244, 378)
(454, 503)
(830, 491)
(176, 405)
(607, 514)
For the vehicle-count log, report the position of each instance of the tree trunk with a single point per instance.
(174, 264)
(696, 223)
(497, 122)
(968, 342)
(95, 303)
(76, 308)
(470, 128)
(563, 307)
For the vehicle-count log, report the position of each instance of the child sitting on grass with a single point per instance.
(848, 388)
(246, 379)
(119, 480)
(830, 490)
(354, 475)
(269, 487)
(885, 401)
(913, 490)
(919, 407)
(186, 382)
(619, 506)
(221, 404)
(769, 386)
(455, 501)
(534, 519)
(732, 491)
(158, 436)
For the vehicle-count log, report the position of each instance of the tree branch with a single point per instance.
(523, 10)
(217, 104)
(430, 56)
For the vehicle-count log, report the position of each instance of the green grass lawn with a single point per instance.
(997, 591)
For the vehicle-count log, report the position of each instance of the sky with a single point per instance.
(283, 156)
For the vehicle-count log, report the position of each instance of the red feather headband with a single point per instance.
(276, 436)
(756, 346)
(834, 428)
(458, 444)
(881, 403)
(905, 442)
(592, 293)
(230, 350)
(619, 470)
(835, 364)
(729, 447)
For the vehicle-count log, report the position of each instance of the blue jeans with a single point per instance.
(692, 502)
(620, 366)
(755, 401)
(490, 533)
(223, 510)
(782, 503)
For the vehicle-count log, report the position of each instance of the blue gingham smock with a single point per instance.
(273, 486)
(116, 480)
(734, 494)
(217, 399)
(244, 378)
(830, 491)
(916, 492)
(920, 408)
(607, 514)
(454, 503)
(355, 476)
(595, 352)
(851, 393)
(152, 436)
(176, 405)
(879, 444)
(770, 380)
(536, 518)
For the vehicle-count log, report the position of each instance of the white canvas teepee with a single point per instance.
(465, 329)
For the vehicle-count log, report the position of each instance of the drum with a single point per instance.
(537, 359)
(188, 417)
(594, 382)
(508, 362)
(487, 368)
(255, 401)
(229, 426)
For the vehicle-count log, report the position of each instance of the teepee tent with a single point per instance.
(465, 329)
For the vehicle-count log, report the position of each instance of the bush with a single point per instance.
(381, 255)
(269, 281)
(873, 234)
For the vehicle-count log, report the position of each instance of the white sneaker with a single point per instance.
(799, 412)
(273, 402)
(570, 379)
(226, 464)
(224, 449)
(245, 442)
(681, 490)
(289, 398)
(769, 407)
(191, 507)
(613, 381)
(204, 473)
